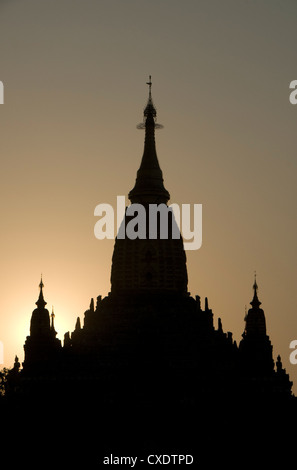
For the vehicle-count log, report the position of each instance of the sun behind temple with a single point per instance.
(150, 326)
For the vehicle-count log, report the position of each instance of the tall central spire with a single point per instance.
(150, 265)
(149, 187)
(41, 303)
(255, 318)
(255, 302)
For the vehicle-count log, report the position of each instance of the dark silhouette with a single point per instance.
(147, 365)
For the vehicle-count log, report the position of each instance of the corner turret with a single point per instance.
(41, 345)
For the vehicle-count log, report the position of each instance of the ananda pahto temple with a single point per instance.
(149, 361)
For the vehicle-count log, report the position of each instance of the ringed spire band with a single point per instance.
(149, 187)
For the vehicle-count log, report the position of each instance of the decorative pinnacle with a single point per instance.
(149, 187)
(150, 110)
(149, 84)
(52, 318)
(41, 303)
(255, 302)
(255, 281)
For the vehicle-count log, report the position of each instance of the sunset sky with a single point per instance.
(74, 75)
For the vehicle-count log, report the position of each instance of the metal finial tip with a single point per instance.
(255, 285)
(149, 83)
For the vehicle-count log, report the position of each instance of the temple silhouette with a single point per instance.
(149, 347)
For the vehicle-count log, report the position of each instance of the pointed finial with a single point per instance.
(255, 302)
(54, 333)
(149, 187)
(279, 365)
(41, 303)
(77, 325)
(150, 112)
(150, 81)
(255, 281)
(150, 109)
(220, 326)
(52, 317)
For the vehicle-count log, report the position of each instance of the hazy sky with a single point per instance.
(74, 74)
